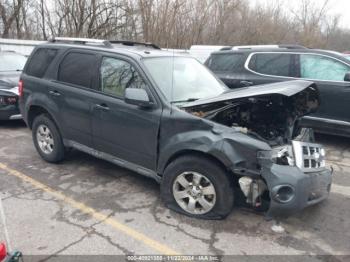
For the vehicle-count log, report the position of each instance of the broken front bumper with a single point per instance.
(291, 190)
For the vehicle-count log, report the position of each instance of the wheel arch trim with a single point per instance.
(41, 110)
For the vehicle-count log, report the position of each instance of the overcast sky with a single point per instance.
(337, 7)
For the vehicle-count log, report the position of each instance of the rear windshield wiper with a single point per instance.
(185, 101)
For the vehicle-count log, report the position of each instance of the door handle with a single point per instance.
(246, 83)
(102, 107)
(54, 93)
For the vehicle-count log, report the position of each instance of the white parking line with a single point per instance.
(118, 226)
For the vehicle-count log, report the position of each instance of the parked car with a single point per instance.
(11, 65)
(168, 117)
(239, 67)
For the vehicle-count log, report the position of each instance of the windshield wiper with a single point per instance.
(185, 101)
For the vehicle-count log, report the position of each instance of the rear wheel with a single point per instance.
(198, 187)
(47, 139)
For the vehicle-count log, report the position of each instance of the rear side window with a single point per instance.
(40, 61)
(77, 69)
(225, 62)
(275, 64)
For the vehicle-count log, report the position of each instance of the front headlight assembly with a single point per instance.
(282, 155)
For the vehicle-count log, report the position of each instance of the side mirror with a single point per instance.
(347, 77)
(138, 97)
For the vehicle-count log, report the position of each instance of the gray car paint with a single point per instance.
(175, 132)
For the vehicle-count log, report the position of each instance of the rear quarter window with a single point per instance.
(225, 62)
(275, 64)
(40, 61)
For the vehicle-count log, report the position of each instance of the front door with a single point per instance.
(127, 132)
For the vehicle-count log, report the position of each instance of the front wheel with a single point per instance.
(47, 139)
(198, 187)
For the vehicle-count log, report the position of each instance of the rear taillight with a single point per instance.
(3, 252)
(20, 88)
(11, 100)
(8, 100)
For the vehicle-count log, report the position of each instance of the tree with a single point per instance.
(175, 23)
(9, 12)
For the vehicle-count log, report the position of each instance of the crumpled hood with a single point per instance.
(269, 112)
(288, 89)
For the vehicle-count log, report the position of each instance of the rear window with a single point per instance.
(77, 69)
(40, 61)
(225, 62)
(275, 64)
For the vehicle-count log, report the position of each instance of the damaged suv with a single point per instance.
(167, 117)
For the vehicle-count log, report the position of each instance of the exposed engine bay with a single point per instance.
(272, 118)
(272, 113)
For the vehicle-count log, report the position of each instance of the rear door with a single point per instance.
(270, 67)
(127, 132)
(36, 80)
(74, 88)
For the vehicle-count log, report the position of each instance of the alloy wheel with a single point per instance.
(194, 193)
(45, 139)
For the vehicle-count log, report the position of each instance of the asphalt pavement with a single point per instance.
(86, 206)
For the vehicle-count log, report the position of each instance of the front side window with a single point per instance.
(275, 64)
(77, 69)
(116, 75)
(322, 68)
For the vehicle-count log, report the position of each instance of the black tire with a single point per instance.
(210, 169)
(58, 151)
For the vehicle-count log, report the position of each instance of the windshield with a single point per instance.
(183, 79)
(12, 62)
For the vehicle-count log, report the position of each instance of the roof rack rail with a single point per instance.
(226, 48)
(106, 43)
(292, 46)
(133, 43)
(254, 47)
(247, 47)
(82, 41)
